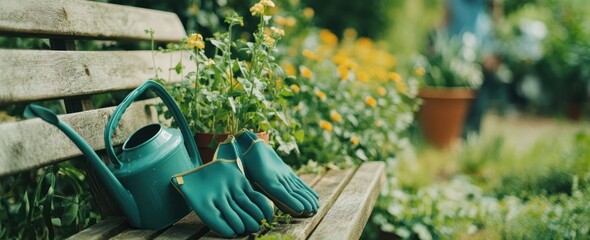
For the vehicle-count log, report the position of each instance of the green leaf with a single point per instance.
(299, 135)
(56, 222)
(179, 67)
(232, 104)
(361, 154)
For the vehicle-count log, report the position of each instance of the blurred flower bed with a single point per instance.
(487, 190)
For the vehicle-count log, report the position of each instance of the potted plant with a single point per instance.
(235, 85)
(449, 77)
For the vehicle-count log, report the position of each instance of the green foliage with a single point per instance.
(491, 192)
(51, 203)
(451, 62)
(351, 108)
(227, 93)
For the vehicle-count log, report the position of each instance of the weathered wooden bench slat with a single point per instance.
(33, 143)
(103, 230)
(70, 19)
(29, 75)
(190, 227)
(329, 188)
(347, 218)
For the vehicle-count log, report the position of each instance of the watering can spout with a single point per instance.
(121, 195)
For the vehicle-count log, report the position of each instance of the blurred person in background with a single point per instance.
(477, 17)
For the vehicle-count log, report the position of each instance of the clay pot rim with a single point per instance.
(447, 92)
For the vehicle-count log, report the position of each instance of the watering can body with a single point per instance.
(139, 178)
(145, 172)
(149, 158)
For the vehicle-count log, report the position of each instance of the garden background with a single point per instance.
(350, 94)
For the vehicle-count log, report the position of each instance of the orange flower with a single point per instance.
(420, 71)
(290, 21)
(354, 140)
(326, 125)
(370, 101)
(335, 116)
(308, 54)
(295, 88)
(328, 37)
(305, 72)
(381, 91)
(395, 77)
(362, 76)
(321, 95)
(308, 12)
(343, 72)
(289, 69)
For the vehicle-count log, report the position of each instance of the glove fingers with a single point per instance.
(231, 216)
(214, 219)
(307, 205)
(262, 204)
(306, 194)
(251, 225)
(249, 206)
(303, 185)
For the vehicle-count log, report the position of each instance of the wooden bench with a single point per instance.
(73, 77)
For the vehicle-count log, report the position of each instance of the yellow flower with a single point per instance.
(381, 91)
(354, 140)
(350, 33)
(195, 40)
(339, 59)
(269, 40)
(209, 62)
(326, 125)
(305, 72)
(335, 116)
(280, 82)
(290, 22)
(298, 107)
(370, 101)
(401, 87)
(343, 71)
(321, 95)
(328, 37)
(308, 54)
(308, 12)
(277, 32)
(362, 76)
(289, 69)
(280, 20)
(295, 88)
(395, 77)
(420, 71)
(257, 9)
(267, 3)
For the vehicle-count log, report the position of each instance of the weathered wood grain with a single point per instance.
(136, 234)
(350, 213)
(190, 227)
(88, 19)
(28, 75)
(329, 188)
(102, 230)
(33, 143)
(310, 179)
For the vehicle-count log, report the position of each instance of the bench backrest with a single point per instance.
(75, 76)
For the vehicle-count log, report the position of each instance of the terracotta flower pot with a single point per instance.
(207, 148)
(443, 113)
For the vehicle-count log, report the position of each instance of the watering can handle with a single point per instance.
(189, 141)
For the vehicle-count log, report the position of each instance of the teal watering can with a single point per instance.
(139, 178)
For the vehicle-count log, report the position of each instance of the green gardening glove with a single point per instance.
(268, 174)
(221, 195)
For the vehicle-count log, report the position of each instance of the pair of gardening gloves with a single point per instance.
(225, 198)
